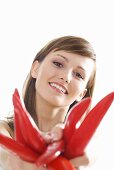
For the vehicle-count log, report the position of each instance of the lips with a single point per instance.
(59, 87)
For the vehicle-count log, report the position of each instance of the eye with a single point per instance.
(58, 64)
(78, 75)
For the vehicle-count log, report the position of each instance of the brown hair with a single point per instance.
(72, 44)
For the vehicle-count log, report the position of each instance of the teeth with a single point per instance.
(58, 87)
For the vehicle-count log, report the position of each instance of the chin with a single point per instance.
(55, 102)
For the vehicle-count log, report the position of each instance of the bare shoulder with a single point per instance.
(4, 153)
(5, 129)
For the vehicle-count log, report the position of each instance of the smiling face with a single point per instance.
(61, 78)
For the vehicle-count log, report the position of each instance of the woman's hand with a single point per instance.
(56, 134)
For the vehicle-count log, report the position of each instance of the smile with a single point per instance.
(59, 87)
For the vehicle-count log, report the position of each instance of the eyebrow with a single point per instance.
(81, 68)
(62, 57)
(67, 61)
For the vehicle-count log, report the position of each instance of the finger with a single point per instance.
(57, 132)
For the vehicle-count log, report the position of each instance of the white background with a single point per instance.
(27, 25)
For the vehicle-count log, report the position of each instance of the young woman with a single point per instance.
(62, 73)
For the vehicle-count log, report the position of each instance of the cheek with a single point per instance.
(43, 78)
(77, 87)
(39, 80)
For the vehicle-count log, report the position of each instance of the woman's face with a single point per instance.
(61, 77)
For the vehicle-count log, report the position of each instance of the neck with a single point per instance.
(49, 115)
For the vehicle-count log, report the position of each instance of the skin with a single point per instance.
(61, 79)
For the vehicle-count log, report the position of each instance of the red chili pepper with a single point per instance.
(61, 163)
(73, 117)
(52, 152)
(18, 131)
(31, 135)
(24, 131)
(23, 151)
(83, 134)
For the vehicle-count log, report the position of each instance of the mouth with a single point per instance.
(60, 88)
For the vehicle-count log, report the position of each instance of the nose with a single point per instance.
(66, 77)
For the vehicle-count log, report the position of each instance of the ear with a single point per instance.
(34, 69)
(82, 94)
